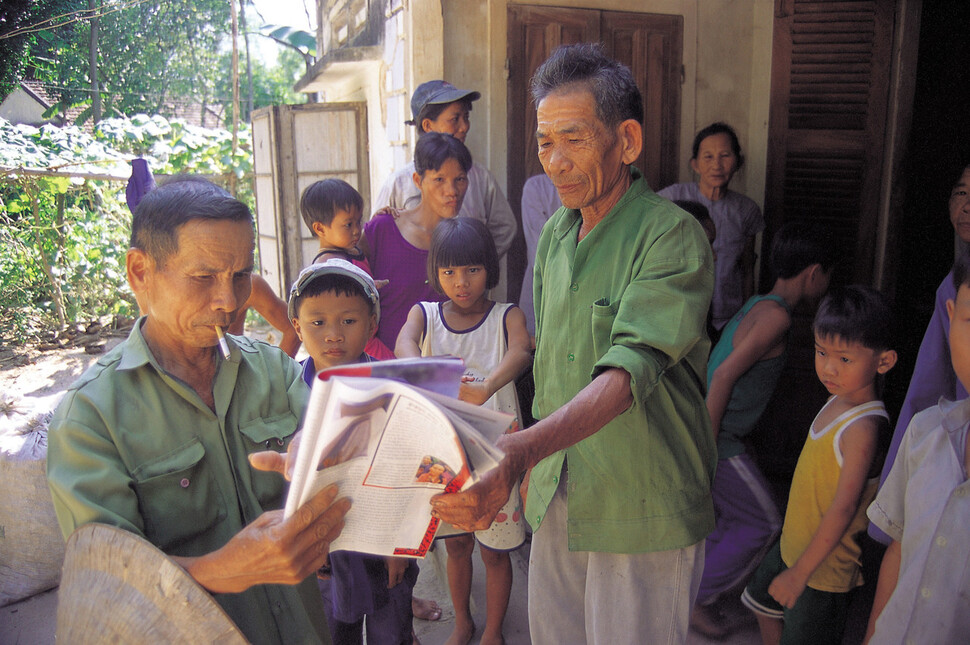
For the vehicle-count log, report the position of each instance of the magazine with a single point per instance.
(390, 446)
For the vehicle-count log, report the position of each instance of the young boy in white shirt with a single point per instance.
(923, 593)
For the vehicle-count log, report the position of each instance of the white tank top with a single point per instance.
(482, 347)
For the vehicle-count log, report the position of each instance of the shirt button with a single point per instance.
(184, 483)
(570, 358)
(941, 541)
(925, 592)
(574, 287)
(555, 479)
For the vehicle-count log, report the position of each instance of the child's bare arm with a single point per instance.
(888, 577)
(408, 343)
(517, 358)
(263, 300)
(395, 570)
(752, 343)
(364, 245)
(859, 443)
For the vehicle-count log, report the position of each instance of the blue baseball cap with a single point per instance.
(437, 93)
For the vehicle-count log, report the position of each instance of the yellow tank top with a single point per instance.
(812, 492)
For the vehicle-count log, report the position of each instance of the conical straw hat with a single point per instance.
(118, 588)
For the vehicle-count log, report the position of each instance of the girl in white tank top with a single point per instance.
(493, 341)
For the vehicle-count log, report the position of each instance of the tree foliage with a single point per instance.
(30, 48)
(152, 56)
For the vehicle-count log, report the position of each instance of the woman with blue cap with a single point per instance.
(439, 106)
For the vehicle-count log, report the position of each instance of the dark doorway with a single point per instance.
(939, 148)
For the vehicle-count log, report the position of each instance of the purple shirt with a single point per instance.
(737, 220)
(403, 265)
(933, 377)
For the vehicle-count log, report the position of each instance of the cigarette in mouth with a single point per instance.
(223, 345)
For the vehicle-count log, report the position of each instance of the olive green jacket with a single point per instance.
(133, 447)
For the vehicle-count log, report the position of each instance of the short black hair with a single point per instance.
(433, 111)
(157, 218)
(719, 128)
(611, 83)
(459, 242)
(335, 283)
(435, 148)
(697, 209)
(798, 245)
(322, 199)
(856, 313)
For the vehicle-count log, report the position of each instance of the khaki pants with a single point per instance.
(607, 598)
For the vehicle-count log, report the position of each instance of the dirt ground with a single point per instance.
(43, 371)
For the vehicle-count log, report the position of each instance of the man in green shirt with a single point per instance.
(162, 436)
(623, 455)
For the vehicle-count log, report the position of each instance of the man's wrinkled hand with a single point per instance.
(474, 509)
(272, 550)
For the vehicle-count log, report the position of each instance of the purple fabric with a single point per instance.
(358, 586)
(140, 183)
(388, 624)
(933, 377)
(747, 523)
(737, 219)
(394, 259)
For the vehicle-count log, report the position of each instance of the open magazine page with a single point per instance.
(478, 429)
(390, 450)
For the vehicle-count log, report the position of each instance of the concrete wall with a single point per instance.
(727, 55)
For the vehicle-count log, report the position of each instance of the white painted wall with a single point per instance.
(21, 107)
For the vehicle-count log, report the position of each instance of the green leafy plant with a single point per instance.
(63, 239)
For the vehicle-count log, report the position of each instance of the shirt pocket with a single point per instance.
(603, 315)
(178, 496)
(268, 433)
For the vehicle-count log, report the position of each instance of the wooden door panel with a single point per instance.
(533, 33)
(288, 158)
(830, 84)
(652, 47)
(829, 92)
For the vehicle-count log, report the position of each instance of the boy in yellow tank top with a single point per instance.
(800, 591)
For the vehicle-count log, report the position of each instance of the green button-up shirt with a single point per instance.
(133, 447)
(633, 294)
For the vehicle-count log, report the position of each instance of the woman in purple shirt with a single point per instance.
(396, 242)
(716, 157)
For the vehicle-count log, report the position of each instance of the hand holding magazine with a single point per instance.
(390, 446)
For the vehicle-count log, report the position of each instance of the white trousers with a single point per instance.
(607, 598)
